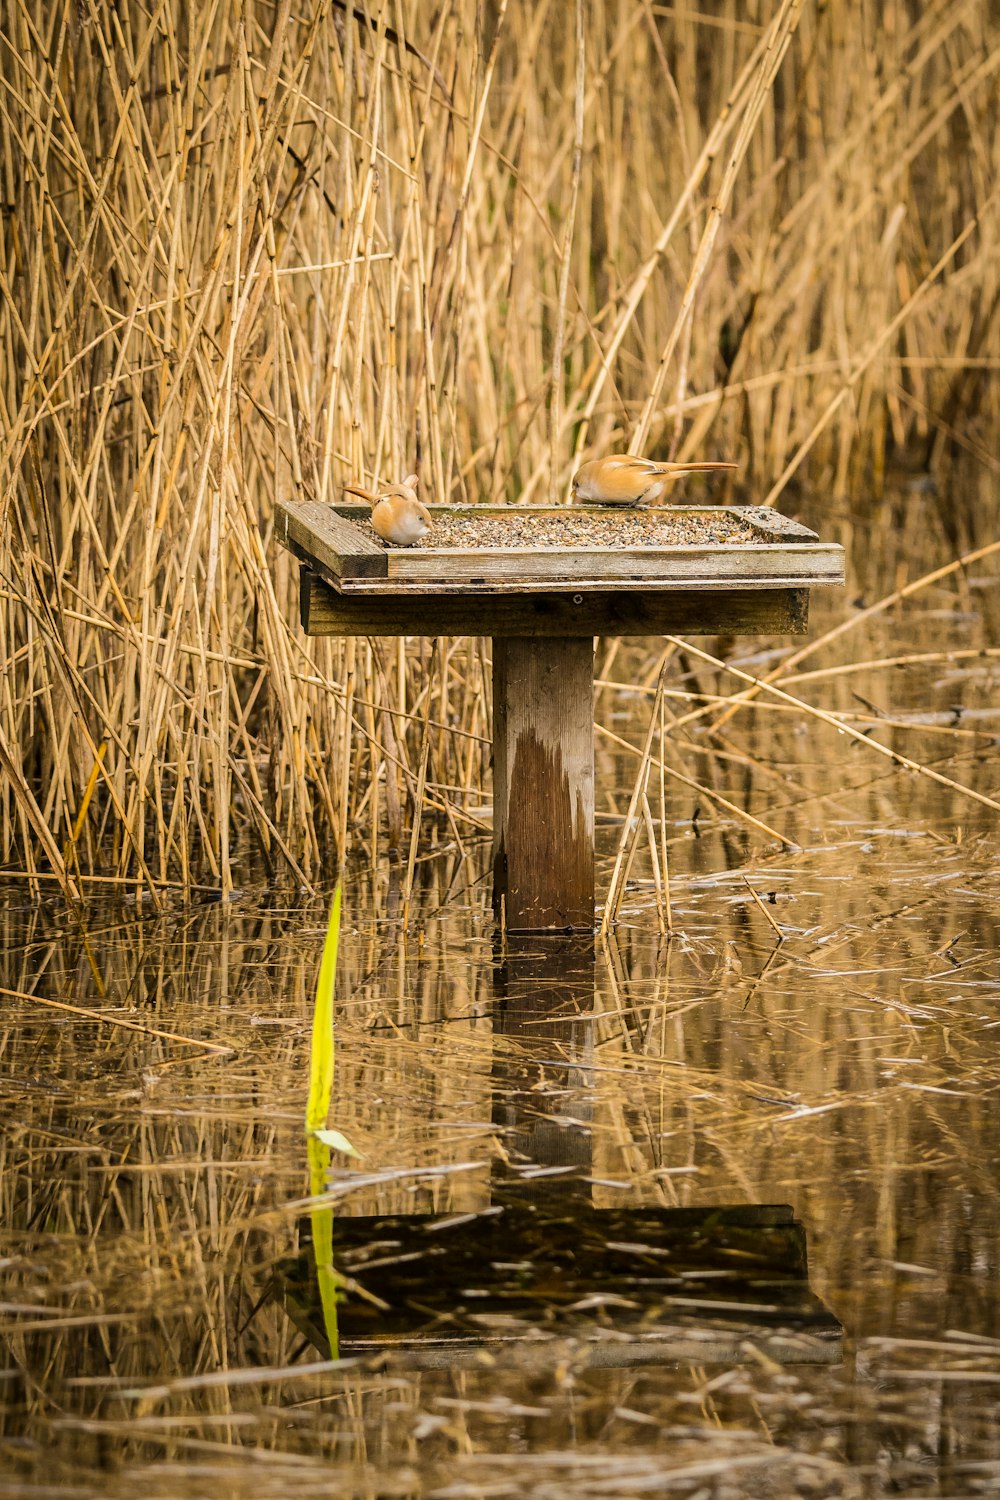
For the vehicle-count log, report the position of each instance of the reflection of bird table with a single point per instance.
(541, 1275)
(543, 602)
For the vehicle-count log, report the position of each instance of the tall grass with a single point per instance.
(250, 251)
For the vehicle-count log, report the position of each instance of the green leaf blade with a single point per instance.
(322, 1052)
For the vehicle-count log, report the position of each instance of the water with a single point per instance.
(153, 1190)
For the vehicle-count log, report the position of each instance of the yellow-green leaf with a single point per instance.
(321, 1055)
(338, 1141)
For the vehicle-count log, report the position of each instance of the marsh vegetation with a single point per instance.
(248, 253)
(253, 253)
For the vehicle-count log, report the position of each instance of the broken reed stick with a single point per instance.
(626, 844)
(882, 663)
(659, 888)
(773, 924)
(221, 1049)
(709, 700)
(697, 786)
(664, 858)
(836, 631)
(856, 734)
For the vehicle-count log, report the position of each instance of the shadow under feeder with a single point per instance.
(543, 606)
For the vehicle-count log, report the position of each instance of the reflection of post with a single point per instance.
(543, 782)
(542, 1030)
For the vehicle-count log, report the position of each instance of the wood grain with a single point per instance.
(775, 611)
(409, 588)
(543, 782)
(773, 562)
(343, 551)
(335, 546)
(772, 523)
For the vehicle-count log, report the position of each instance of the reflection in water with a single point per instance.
(540, 1276)
(537, 1287)
(149, 1190)
(542, 1071)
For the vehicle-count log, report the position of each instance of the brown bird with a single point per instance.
(397, 514)
(625, 480)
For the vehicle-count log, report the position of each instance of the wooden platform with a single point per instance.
(543, 605)
(340, 547)
(548, 612)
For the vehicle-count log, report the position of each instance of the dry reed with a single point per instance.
(256, 251)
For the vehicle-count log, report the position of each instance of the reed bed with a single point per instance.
(256, 251)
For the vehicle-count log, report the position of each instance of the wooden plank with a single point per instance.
(543, 782)
(395, 588)
(335, 546)
(821, 563)
(771, 611)
(344, 552)
(773, 523)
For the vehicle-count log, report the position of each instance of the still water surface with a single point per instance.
(153, 1191)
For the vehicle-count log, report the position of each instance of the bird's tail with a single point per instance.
(356, 489)
(692, 468)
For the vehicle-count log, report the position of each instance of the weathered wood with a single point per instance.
(342, 550)
(543, 782)
(775, 611)
(412, 588)
(772, 523)
(774, 562)
(337, 547)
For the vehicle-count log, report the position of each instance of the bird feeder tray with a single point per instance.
(543, 581)
(527, 548)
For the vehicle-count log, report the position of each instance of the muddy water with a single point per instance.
(152, 1190)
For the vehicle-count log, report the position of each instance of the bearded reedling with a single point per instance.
(397, 515)
(625, 480)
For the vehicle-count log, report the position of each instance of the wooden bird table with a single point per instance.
(543, 583)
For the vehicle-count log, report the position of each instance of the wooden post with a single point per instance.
(543, 782)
